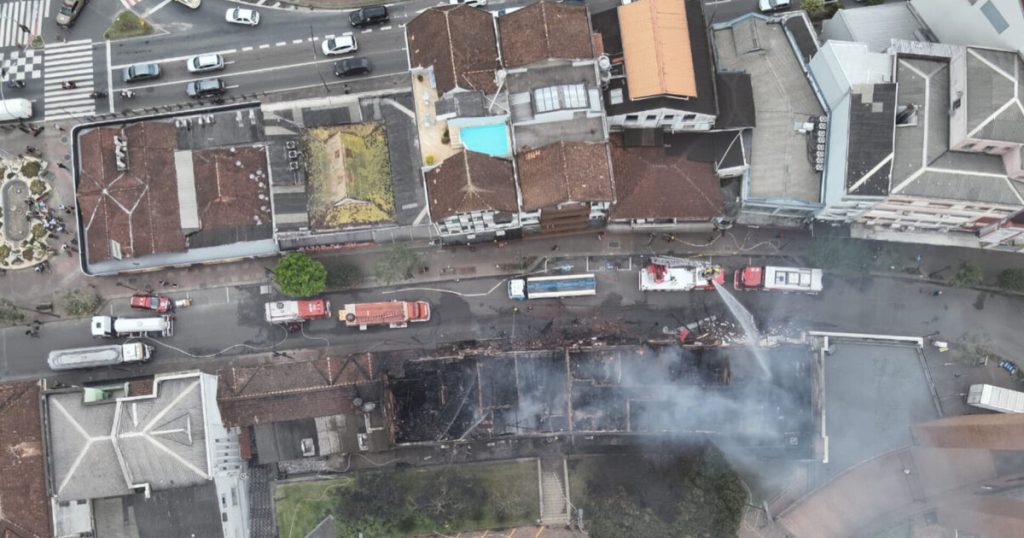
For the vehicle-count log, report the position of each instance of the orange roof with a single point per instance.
(656, 45)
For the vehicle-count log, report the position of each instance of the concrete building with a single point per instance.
(997, 24)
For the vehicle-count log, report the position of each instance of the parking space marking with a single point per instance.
(264, 46)
(280, 43)
(296, 41)
(246, 49)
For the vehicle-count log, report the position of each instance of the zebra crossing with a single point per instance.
(68, 62)
(17, 16)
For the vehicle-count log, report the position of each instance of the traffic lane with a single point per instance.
(25, 357)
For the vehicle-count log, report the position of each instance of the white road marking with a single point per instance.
(280, 43)
(110, 82)
(383, 28)
(246, 49)
(297, 41)
(155, 8)
(264, 46)
(177, 59)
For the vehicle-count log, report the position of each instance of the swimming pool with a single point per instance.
(489, 139)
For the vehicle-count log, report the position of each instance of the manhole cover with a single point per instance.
(64, 140)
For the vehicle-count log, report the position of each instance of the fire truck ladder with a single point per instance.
(672, 261)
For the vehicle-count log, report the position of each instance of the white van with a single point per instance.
(15, 109)
(111, 327)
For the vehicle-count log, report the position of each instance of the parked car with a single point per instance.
(207, 87)
(771, 6)
(69, 11)
(137, 72)
(350, 67)
(473, 3)
(368, 16)
(343, 44)
(245, 17)
(205, 63)
(1009, 366)
(156, 303)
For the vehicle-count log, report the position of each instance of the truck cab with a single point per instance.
(69, 11)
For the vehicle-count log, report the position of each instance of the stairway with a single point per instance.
(554, 494)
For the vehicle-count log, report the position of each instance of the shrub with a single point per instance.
(81, 301)
(967, 275)
(1011, 279)
(5, 252)
(299, 275)
(446, 136)
(430, 160)
(31, 169)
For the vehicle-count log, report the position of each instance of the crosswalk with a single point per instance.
(18, 15)
(68, 62)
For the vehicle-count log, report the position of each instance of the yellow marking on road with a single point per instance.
(540, 530)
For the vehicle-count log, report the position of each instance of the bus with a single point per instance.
(552, 287)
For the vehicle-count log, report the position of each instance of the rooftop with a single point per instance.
(874, 26)
(565, 172)
(187, 511)
(459, 43)
(994, 94)
(780, 167)
(545, 30)
(555, 103)
(471, 181)
(24, 504)
(111, 447)
(869, 153)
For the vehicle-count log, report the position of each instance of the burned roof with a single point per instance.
(471, 181)
(287, 391)
(651, 183)
(545, 30)
(565, 172)
(459, 43)
(24, 505)
(136, 209)
(735, 101)
(869, 154)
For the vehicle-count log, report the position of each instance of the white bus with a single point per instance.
(552, 287)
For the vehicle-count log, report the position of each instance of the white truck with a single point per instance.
(15, 109)
(93, 357)
(996, 398)
(115, 327)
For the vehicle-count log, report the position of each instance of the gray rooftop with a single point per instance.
(869, 153)
(923, 164)
(779, 165)
(874, 26)
(572, 120)
(105, 449)
(995, 96)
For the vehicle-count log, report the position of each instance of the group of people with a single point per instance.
(52, 221)
(33, 330)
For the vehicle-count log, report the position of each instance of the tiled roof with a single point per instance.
(225, 194)
(288, 391)
(565, 172)
(137, 208)
(471, 181)
(459, 42)
(545, 30)
(24, 505)
(656, 44)
(649, 183)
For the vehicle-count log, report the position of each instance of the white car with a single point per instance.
(343, 44)
(472, 3)
(204, 63)
(771, 6)
(247, 17)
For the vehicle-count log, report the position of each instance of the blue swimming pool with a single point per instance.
(489, 139)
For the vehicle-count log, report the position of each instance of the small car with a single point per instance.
(771, 6)
(137, 72)
(350, 67)
(1009, 366)
(205, 63)
(69, 11)
(471, 3)
(207, 87)
(368, 16)
(245, 17)
(343, 44)
(156, 303)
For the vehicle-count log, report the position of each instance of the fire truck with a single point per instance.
(394, 314)
(284, 312)
(767, 277)
(666, 273)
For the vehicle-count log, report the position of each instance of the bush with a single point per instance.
(343, 275)
(31, 169)
(127, 24)
(81, 301)
(9, 314)
(399, 263)
(446, 137)
(1011, 279)
(299, 275)
(5, 252)
(39, 231)
(37, 187)
(967, 275)
(430, 160)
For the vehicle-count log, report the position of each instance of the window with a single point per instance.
(995, 18)
(990, 149)
(689, 117)
(652, 117)
(632, 117)
(668, 118)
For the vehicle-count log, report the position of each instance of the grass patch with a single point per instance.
(127, 24)
(350, 175)
(415, 501)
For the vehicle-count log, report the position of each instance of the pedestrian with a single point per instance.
(554, 248)
(162, 282)
(28, 332)
(61, 206)
(63, 166)
(936, 293)
(31, 150)
(174, 284)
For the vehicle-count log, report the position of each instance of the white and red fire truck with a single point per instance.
(772, 278)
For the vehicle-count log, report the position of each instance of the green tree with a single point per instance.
(299, 275)
(9, 314)
(343, 275)
(967, 275)
(81, 301)
(813, 8)
(1011, 279)
(398, 263)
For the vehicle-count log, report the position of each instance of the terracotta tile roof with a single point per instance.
(991, 431)
(24, 504)
(459, 42)
(137, 208)
(545, 30)
(288, 391)
(656, 46)
(565, 172)
(471, 181)
(649, 183)
(225, 195)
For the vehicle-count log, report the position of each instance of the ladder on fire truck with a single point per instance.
(672, 261)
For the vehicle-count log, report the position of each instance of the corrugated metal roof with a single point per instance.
(656, 46)
(188, 208)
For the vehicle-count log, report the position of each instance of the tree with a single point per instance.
(813, 7)
(399, 263)
(299, 275)
(81, 301)
(343, 275)
(967, 275)
(9, 314)
(1011, 279)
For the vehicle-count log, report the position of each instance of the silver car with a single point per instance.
(137, 72)
(205, 63)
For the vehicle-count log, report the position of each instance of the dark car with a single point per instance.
(207, 87)
(350, 67)
(369, 15)
(156, 303)
(137, 72)
(1009, 366)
